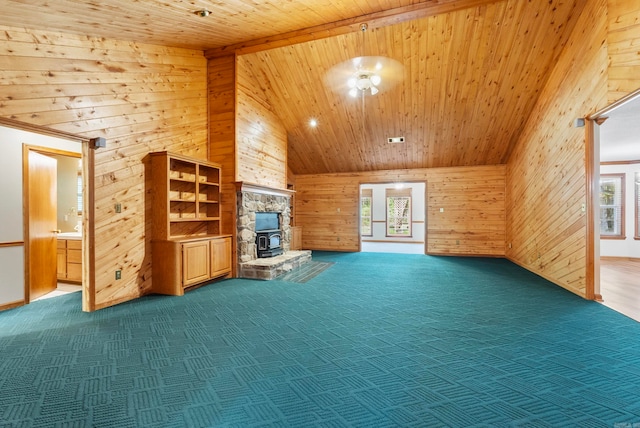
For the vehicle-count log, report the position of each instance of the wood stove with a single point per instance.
(268, 234)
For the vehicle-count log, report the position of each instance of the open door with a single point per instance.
(42, 224)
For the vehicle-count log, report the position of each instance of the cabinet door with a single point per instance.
(195, 262)
(220, 256)
(62, 260)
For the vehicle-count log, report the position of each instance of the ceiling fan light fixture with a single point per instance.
(375, 80)
(373, 90)
(353, 92)
(363, 83)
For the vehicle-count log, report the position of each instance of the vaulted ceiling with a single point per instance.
(471, 69)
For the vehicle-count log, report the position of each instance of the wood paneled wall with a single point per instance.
(261, 136)
(623, 46)
(472, 199)
(141, 98)
(222, 132)
(546, 178)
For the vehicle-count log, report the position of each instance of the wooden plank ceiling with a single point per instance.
(471, 69)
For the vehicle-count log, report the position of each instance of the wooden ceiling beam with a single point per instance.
(373, 20)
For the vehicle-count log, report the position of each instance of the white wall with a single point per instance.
(628, 247)
(384, 244)
(11, 216)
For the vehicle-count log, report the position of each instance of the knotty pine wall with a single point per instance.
(141, 98)
(222, 132)
(546, 172)
(473, 199)
(261, 137)
(623, 46)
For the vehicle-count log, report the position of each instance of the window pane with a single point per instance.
(399, 216)
(79, 193)
(365, 216)
(612, 205)
(637, 182)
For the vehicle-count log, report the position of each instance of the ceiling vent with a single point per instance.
(395, 140)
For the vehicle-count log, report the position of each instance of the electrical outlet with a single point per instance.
(441, 210)
(118, 208)
(118, 274)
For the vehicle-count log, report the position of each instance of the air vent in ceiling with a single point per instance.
(395, 140)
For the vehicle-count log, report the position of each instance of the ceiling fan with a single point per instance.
(364, 75)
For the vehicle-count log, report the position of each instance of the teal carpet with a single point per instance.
(376, 340)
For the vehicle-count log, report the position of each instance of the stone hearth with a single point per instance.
(272, 267)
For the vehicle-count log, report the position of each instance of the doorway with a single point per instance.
(53, 201)
(392, 217)
(616, 205)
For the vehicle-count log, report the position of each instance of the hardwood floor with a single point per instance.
(620, 285)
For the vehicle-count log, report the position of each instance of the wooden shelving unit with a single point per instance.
(186, 223)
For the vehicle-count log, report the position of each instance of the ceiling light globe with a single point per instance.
(352, 82)
(374, 90)
(375, 79)
(363, 83)
(353, 92)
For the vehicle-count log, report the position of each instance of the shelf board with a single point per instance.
(182, 180)
(187, 220)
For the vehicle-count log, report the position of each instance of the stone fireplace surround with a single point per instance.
(251, 199)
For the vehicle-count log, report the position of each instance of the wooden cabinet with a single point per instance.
(187, 247)
(180, 264)
(69, 256)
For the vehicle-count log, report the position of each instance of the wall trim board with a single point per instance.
(623, 162)
(490, 256)
(42, 130)
(11, 305)
(620, 259)
(390, 241)
(12, 244)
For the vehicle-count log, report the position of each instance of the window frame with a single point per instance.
(637, 204)
(364, 195)
(399, 193)
(621, 181)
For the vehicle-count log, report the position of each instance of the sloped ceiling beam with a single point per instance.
(373, 20)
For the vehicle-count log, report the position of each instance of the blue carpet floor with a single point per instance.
(376, 340)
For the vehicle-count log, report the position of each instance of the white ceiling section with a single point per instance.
(620, 133)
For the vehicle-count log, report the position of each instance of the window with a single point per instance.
(366, 197)
(398, 212)
(637, 185)
(612, 206)
(79, 193)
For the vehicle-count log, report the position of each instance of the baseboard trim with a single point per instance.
(619, 259)
(11, 305)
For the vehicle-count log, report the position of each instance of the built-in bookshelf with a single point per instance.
(186, 223)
